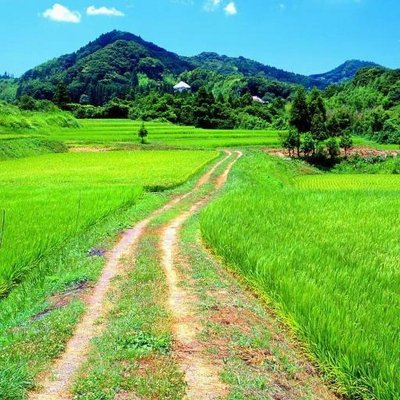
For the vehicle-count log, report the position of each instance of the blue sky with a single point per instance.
(304, 36)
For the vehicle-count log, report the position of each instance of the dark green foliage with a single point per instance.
(230, 65)
(344, 72)
(368, 106)
(105, 68)
(8, 89)
(317, 115)
(291, 141)
(380, 164)
(61, 97)
(299, 116)
(120, 65)
(332, 147)
(308, 145)
(116, 109)
(346, 142)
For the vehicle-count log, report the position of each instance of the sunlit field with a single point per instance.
(338, 182)
(108, 131)
(325, 250)
(50, 198)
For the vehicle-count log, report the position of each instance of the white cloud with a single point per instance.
(212, 5)
(231, 9)
(110, 12)
(60, 13)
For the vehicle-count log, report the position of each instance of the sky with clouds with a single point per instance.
(304, 36)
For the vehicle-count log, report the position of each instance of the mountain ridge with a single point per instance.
(124, 61)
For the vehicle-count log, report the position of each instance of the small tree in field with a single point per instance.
(346, 143)
(143, 133)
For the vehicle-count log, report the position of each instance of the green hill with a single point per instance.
(110, 66)
(118, 63)
(344, 72)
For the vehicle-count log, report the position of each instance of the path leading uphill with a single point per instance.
(213, 346)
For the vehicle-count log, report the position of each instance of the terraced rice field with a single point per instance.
(125, 131)
(50, 198)
(324, 249)
(338, 182)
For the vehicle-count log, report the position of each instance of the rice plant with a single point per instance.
(325, 250)
(53, 197)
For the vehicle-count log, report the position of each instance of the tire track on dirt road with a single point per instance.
(57, 383)
(201, 375)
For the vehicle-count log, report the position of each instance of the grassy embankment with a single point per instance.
(324, 249)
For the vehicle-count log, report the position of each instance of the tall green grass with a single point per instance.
(325, 250)
(50, 198)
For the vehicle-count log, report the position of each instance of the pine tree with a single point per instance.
(317, 112)
(61, 96)
(299, 115)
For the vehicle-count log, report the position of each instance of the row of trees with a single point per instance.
(201, 109)
(312, 132)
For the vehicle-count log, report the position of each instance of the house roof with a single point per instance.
(258, 99)
(182, 85)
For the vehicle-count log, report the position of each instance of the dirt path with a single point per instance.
(201, 375)
(56, 385)
(234, 336)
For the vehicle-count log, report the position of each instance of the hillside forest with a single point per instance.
(119, 75)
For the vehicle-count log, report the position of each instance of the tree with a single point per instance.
(26, 102)
(143, 133)
(332, 147)
(317, 112)
(308, 145)
(291, 141)
(299, 117)
(346, 143)
(61, 96)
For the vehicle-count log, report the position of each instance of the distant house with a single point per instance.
(182, 87)
(257, 99)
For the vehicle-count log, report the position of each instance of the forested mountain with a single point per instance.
(120, 75)
(110, 66)
(118, 63)
(344, 72)
(229, 65)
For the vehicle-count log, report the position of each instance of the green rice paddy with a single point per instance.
(324, 249)
(47, 199)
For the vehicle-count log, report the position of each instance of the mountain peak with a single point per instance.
(343, 72)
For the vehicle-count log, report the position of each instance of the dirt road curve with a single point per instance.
(57, 383)
(235, 319)
(202, 377)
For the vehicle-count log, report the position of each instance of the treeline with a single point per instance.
(323, 121)
(201, 109)
(314, 133)
(369, 105)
